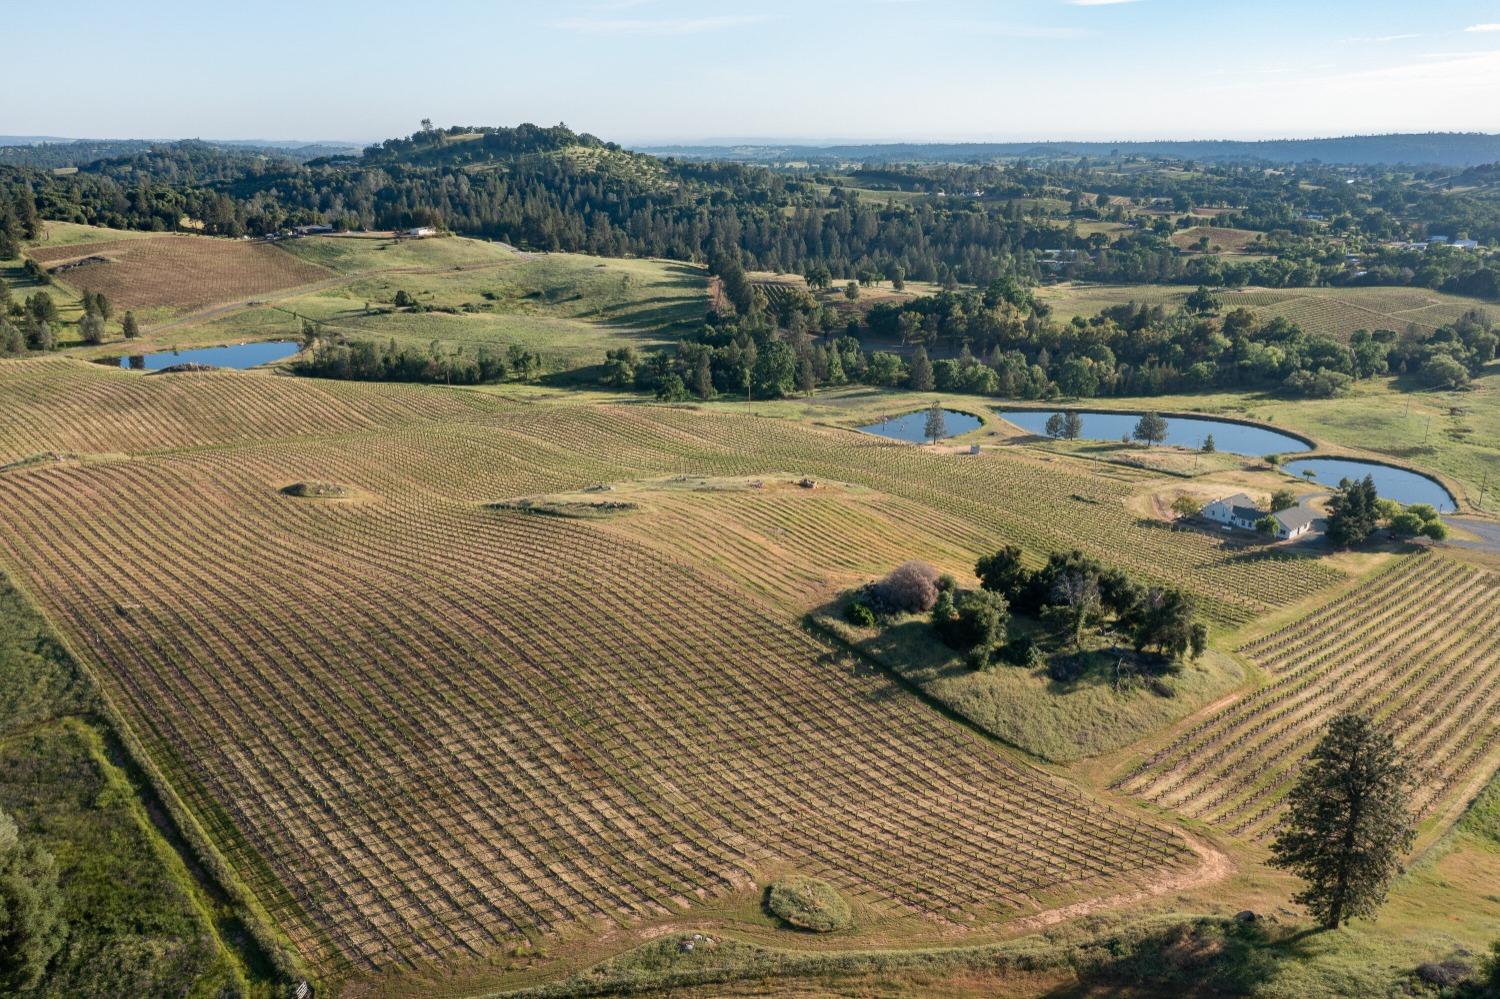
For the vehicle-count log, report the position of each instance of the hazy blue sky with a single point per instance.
(651, 70)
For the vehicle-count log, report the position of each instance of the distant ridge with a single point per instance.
(1438, 149)
(49, 153)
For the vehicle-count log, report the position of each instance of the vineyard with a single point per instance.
(176, 273)
(422, 729)
(63, 405)
(1412, 647)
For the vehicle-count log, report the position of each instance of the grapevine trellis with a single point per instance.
(1410, 647)
(420, 727)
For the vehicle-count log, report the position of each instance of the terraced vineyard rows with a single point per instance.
(1413, 646)
(421, 728)
(59, 404)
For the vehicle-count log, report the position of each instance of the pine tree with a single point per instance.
(1353, 513)
(935, 427)
(128, 326)
(920, 378)
(1348, 821)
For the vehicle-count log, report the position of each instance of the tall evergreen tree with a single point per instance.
(920, 376)
(1348, 821)
(935, 427)
(1353, 513)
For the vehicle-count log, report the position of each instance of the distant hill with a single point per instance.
(1444, 149)
(49, 153)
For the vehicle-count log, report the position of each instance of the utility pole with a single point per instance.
(1482, 486)
(1428, 430)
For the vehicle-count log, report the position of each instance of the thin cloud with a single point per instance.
(654, 26)
(1492, 26)
(1376, 39)
(1099, 3)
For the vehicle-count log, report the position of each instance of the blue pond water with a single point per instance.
(913, 426)
(1391, 483)
(240, 355)
(1183, 431)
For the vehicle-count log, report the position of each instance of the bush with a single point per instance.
(1025, 652)
(912, 588)
(975, 620)
(858, 612)
(808, 904)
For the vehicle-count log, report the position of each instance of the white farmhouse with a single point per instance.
(1240, 511)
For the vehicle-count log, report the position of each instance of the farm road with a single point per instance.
(1486, 531)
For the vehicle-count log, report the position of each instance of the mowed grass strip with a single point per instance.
(431, 728)
(1411, 647)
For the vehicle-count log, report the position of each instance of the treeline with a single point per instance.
(336, 356)
(1001, 341)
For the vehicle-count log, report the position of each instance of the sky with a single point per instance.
(659, 71)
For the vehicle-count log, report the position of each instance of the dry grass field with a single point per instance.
(1338, 312)
(170, 274)
(1412, 647)
(1335, 312)
(1220, 240)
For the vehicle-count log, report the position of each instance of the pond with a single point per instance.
(240, 355)
(1183, 431)
(913, 426)
(1403, 486)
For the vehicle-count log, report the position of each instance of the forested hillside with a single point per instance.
(555, 189)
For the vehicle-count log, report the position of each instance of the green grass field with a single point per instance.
(137, 921)
(568, 308)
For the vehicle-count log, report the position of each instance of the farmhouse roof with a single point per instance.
(1242, 507)
(1295, 517)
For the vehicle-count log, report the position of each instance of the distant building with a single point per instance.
(1437, 240)
(417, 232)
(311, 230)
(1465, 244)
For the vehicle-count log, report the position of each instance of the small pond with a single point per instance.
(1390, 483)
(240, 355)
(913, 426)
(1183, 431)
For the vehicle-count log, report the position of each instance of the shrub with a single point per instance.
(975, 620)
(858, 612)
(808, 904)
(912, 587)
(1025, 652)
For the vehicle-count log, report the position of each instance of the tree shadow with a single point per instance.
(1210, 956)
